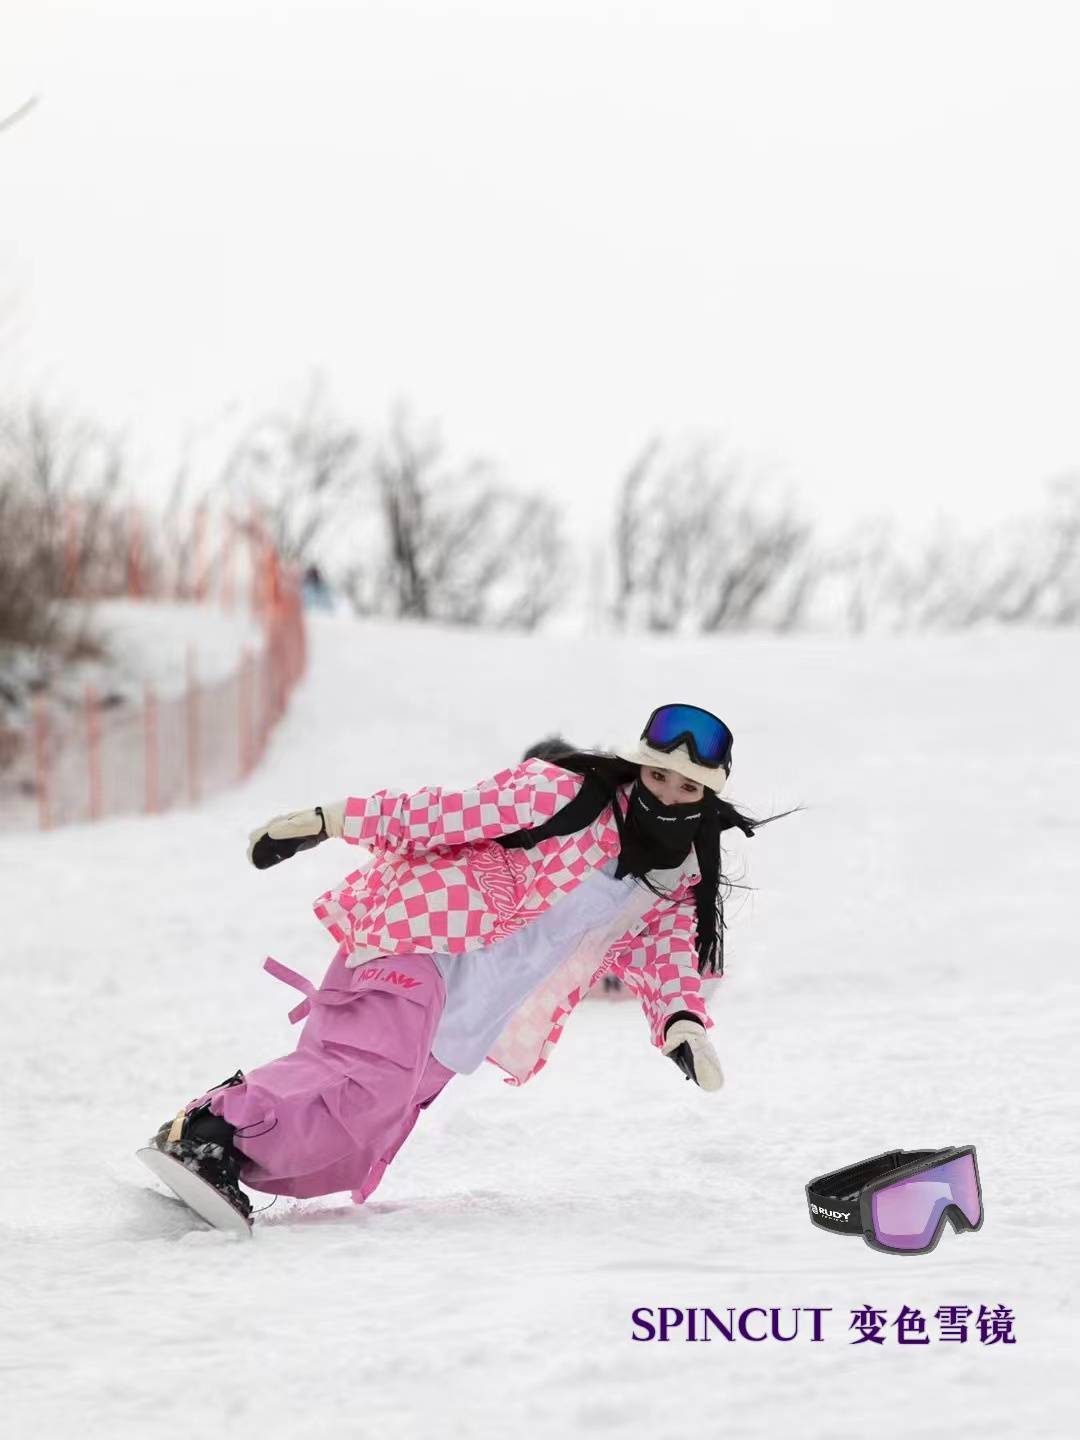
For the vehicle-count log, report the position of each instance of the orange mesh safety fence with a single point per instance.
(113, 754)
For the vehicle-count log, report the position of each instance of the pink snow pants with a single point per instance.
(332, 1115)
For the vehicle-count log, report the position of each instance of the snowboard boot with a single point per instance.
(203, 1142)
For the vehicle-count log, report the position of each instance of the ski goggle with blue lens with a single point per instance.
(899, 1201)
(706, 737)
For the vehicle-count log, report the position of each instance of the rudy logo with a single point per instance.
(376, 972)
(830, 1214)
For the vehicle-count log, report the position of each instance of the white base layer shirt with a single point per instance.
(485, 987)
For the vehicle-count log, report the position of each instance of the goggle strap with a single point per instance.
(834, 1212)
(853, 1177)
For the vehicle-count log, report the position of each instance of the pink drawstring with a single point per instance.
(301, 983)
(298, 982)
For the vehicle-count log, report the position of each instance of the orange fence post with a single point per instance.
(279, 665)
(150, 719)
(270, 676)
(41, 758)
(267, 687)
(286, 648)
(93, 751)
(244, 716)
(192, 728)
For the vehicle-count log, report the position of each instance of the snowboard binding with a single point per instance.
(195, 1156)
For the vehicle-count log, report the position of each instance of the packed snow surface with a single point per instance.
(900, 974)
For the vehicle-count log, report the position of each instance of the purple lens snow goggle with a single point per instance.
(705, 736)
(899, 1201)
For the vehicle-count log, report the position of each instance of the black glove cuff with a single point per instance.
(683, 1055)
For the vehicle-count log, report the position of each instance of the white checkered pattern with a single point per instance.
(440, 883)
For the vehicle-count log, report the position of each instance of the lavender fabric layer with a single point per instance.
(485, 987)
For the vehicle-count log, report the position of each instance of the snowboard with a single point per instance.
(196, 1193)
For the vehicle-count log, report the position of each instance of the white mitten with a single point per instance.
(279, 839)
(688, 1044)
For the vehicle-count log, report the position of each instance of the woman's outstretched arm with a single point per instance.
(526, 795)
(398, 820)
(662, 972)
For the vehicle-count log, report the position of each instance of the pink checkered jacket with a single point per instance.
(439, 882)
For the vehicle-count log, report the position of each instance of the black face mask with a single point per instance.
(656, 836)
(671, 826)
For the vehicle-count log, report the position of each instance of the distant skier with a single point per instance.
(315, 591)
(485, 917)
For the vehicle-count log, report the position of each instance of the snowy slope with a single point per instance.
(900, 975)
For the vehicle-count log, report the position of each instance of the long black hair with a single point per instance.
(604, 774)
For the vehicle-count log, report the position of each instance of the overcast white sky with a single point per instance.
(846, 236)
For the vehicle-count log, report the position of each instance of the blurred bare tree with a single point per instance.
(1043, 583)
(58, 483)
(701, 545)
(301, 471)
(1025, 572)
(394, 524)
(454, 543)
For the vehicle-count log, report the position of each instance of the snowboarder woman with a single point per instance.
(484, 918)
